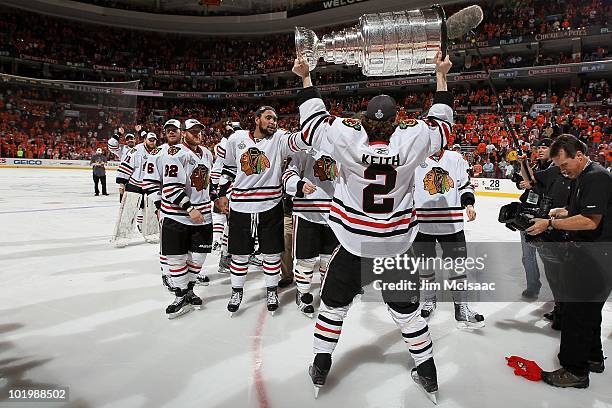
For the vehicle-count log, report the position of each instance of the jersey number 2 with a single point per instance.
(372, 190)
(171, 170)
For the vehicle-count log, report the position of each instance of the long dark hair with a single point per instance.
(378, 130)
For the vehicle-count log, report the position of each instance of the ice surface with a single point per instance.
(76, 312)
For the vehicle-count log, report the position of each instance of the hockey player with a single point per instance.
(152, 188)
(115, 146)
(442, 191)
(220, 226)
(186, 232)
(131, 170)
(120, 150)
(129, 179)
(372, 211)
(310, 179)
(253, 163)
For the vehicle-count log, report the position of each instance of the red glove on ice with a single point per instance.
(525, 368)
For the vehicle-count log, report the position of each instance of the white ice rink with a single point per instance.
(78, 313)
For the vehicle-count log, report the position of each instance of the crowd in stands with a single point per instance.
(515, 18)
(34, 124)
(212, 10)
(531, 16)
(24, 34)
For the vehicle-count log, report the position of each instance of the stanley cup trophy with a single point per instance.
(382, 44)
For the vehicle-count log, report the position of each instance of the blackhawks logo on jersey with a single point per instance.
(352, 123)
(325, 169)
(438, 181)
(406, 123)
(200, 177)
(172, 150)
(254, 161)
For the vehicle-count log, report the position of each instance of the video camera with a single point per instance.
(518, 216)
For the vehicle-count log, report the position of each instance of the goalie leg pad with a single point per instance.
(130, 204)
(150, 224)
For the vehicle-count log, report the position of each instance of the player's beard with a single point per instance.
(173, 141)
(267, 131)
(193, 141)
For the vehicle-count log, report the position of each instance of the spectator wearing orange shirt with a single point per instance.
(596, 136)
(481, 148)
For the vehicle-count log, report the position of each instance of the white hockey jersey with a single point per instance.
(132, 167)
(153, 172)
(318, 168)
(185, 183)
(256, 168)
(372, 212)
(220, 147)
(439, 185)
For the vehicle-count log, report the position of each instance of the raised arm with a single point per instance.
(315, 120)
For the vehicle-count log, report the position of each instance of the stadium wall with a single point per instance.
(483, 186)
(496, 187)
(12, 163)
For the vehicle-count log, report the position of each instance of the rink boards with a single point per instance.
(483, 186)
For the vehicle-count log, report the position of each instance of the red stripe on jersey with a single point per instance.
(446, 130)
(170, 189)
(371, 223)
(262, 193)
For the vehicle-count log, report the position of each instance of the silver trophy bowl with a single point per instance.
(381, 44)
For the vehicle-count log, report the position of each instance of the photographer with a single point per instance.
(585, 273)
(548, 182)
(530, 263)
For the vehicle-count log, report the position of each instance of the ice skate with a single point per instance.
(235, 300)
(202, 279)
(192, 298)
(272, 299)
(304, 303)
(180, 306)
(429, 305)
(167, 284)
(224, 263)
(467, 318)
(426, 378)
(318, 371)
